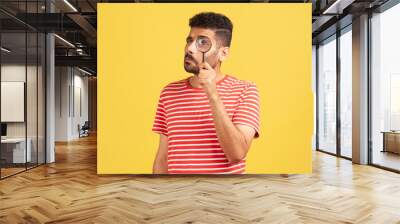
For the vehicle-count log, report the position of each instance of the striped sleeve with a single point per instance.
(248, 110)
(159, 124)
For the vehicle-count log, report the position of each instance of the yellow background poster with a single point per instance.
(141, 49)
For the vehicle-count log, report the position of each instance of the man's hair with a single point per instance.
(221, 25)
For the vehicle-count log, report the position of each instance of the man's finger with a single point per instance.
(202, 75)
(202, 66)
(203, 70)
(207, 66)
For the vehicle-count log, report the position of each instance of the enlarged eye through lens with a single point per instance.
(203, 44)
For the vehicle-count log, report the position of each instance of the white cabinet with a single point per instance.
(18, 149)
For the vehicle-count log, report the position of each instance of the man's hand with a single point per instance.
(207, 76)
(160, 165)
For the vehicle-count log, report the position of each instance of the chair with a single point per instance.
(84, 130)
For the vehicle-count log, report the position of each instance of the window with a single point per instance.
(385, 88)
(346, 93)
(327, 95)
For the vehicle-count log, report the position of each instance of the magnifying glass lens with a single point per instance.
(203, 44)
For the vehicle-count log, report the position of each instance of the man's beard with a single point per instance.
(191, 67)
(194, 66)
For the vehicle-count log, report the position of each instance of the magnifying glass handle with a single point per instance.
(203, 57)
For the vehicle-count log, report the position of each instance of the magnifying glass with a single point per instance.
(203, 44)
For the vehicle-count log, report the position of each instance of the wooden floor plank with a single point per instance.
(70, 191)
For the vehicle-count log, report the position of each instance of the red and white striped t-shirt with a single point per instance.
(184, 116)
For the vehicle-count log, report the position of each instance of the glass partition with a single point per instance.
(22, 78)
(14, 153)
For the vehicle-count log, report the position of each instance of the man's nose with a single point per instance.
(192, 48)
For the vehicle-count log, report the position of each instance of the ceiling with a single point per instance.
(76, 22)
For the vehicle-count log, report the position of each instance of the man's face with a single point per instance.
(193, 56)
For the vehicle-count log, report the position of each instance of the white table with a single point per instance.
(19, 155)
(391, 141)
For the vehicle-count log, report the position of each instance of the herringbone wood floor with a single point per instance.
(69, 191)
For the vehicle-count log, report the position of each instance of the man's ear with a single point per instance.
(223, 53)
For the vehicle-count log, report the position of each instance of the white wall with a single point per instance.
(81, 84)
(71, 87)
(9, 73)
(62, 78)
(16, 72)
(12, 101)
